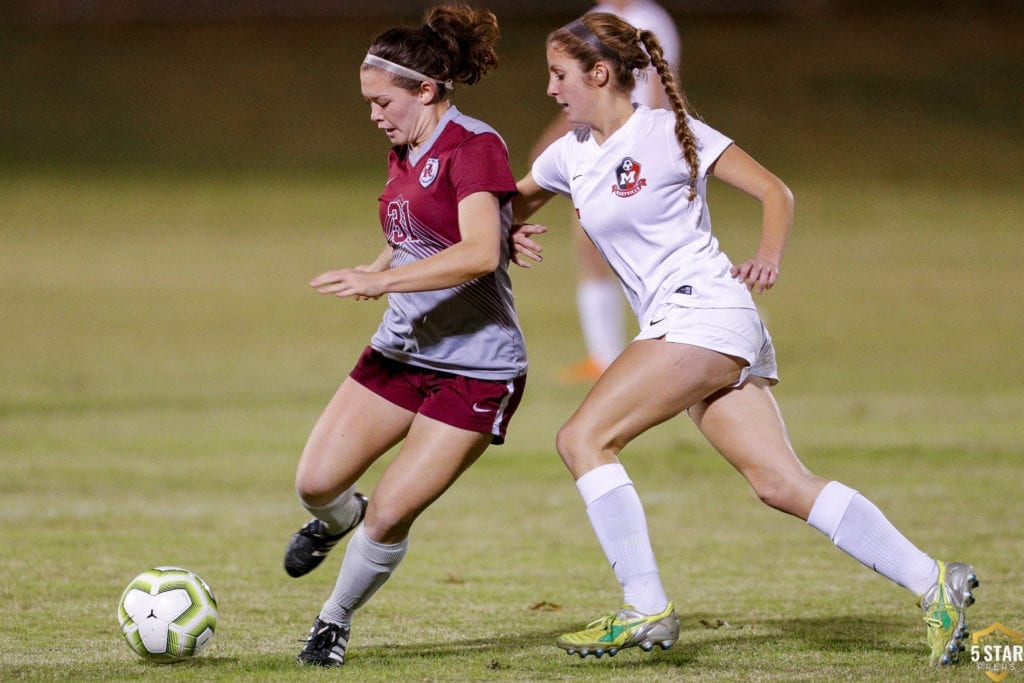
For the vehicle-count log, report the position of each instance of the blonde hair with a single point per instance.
(622, 46)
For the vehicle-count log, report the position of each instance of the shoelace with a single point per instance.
(604, 622)
(318, 535)
(324, 639)
(942, 606)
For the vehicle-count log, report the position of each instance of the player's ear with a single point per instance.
(428, 92)
(600, 74)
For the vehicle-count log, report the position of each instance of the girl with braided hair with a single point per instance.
(600, 305)
(638, 179)
(446, 368)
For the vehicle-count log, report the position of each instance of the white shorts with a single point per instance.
(735, 332)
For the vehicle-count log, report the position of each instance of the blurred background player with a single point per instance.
(599, 299)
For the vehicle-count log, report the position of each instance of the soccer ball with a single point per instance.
(167, 614)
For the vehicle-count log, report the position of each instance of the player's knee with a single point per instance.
(386, 524)
(775, 490)
(580, 447)
(785, 484)
(568, 442)
(311, 495)
(314, 490)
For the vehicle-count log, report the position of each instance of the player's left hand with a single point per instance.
(358, 283)
(756, 274)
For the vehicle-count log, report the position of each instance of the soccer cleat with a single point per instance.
(326, 644)
(944, 605)
(310, 545)
(622, 629)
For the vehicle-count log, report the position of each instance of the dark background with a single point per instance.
(897, 89)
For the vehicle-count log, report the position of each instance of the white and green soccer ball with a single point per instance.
(167, 614)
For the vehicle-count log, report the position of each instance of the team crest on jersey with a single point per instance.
(429, 173)
(627, 178)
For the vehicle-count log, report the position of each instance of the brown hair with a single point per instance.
(456, 42)
(618, 44)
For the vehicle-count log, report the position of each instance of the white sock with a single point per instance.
(618, 519)
(339, 514)
(859, 528)
(600, 307)
(367, 565)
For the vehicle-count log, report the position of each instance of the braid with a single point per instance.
(677, 99)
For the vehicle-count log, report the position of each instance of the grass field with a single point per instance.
(162, 361)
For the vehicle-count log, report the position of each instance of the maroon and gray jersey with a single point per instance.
(471, 329)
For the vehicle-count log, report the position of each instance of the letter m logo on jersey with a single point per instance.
(398, 220)
(627, 178)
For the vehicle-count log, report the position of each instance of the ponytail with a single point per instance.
(455, 44)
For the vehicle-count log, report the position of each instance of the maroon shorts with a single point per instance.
(477, 405)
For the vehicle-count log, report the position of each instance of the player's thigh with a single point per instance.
(431, 458)
(651, 381)
(745, 425)
(355, 429)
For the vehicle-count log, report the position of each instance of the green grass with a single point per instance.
(162, 361)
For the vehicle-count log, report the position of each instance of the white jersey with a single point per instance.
(652, 17)
(632, 197)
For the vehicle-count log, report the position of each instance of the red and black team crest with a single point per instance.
(627, 178)
(429, 173)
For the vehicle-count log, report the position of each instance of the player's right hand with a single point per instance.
(525, 249)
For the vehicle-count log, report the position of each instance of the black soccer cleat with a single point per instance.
(326, 644)
(310, 545)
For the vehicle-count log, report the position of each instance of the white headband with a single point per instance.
(399, 70)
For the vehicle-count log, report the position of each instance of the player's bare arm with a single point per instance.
(477, 254)
(382, 262)
(530, 199)
(739, 169)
